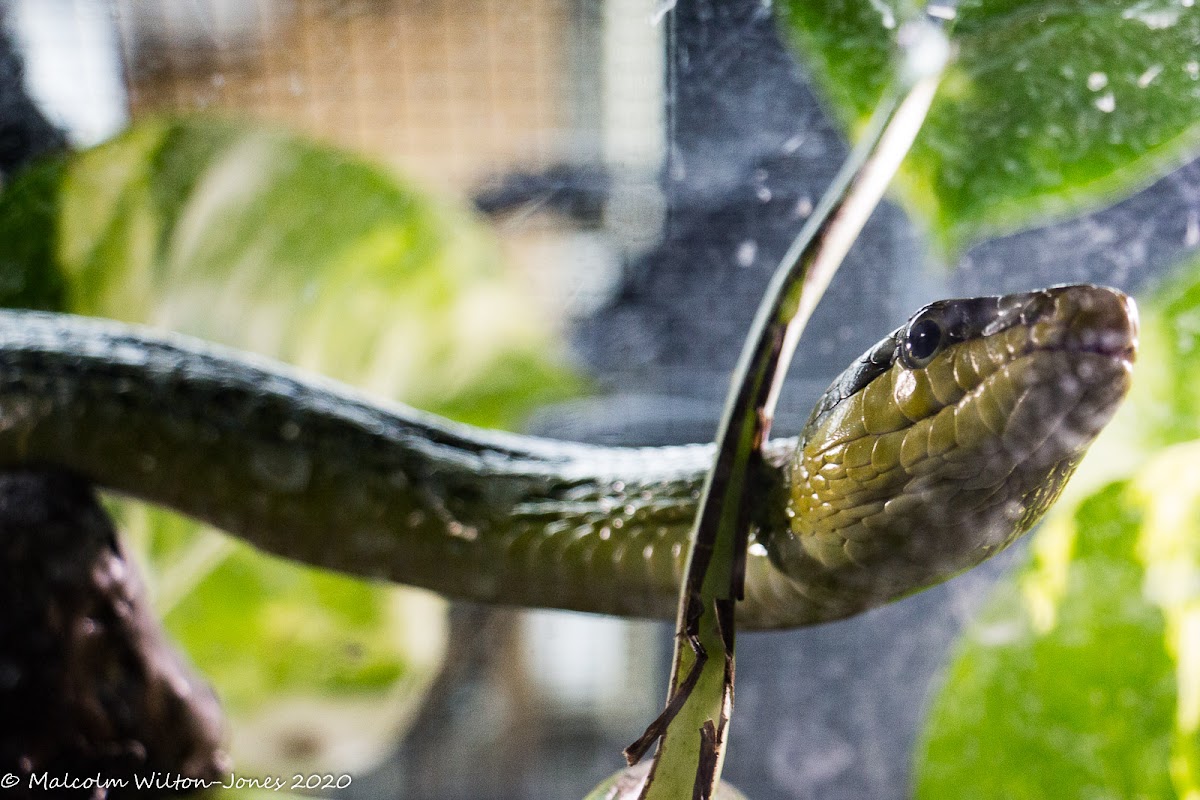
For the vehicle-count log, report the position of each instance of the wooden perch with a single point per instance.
(89, 684)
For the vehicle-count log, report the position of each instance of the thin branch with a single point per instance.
(692, 744)
(636, 751)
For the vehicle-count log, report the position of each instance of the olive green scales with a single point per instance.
(936, 449)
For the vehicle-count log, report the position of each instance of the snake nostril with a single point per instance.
(1037, 307)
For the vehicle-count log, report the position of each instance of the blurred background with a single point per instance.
(639, 166)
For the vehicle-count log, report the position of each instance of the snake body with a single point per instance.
(937, 448)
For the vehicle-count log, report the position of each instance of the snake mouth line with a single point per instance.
(1100, 321)
(1125, 353)
(1117, 344)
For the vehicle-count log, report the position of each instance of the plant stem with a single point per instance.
(692, 731)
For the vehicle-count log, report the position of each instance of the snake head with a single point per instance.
(950, 438)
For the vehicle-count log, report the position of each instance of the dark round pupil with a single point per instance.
(923, 339)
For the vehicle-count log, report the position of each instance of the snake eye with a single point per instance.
(922, 341)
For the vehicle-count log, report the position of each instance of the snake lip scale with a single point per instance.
(937, 448)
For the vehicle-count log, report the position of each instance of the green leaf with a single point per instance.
(1082, 677)
(264, 241)
(29, 274)
(1053, 107)
(1064, 687)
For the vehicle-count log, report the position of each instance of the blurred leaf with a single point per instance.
(1168, 399)
(265, 241)
(1081, 679)
(1053, 107)
(262, 240)
(29, 274)
(1074, 699)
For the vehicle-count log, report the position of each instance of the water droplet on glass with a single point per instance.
(887, 17)
(1147, 77)
(746, 252)
(1154, 16)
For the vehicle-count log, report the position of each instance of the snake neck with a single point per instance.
(316, 472)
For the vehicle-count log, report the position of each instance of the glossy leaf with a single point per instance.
(1053, 107)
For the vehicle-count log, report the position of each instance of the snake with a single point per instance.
(937, 448)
